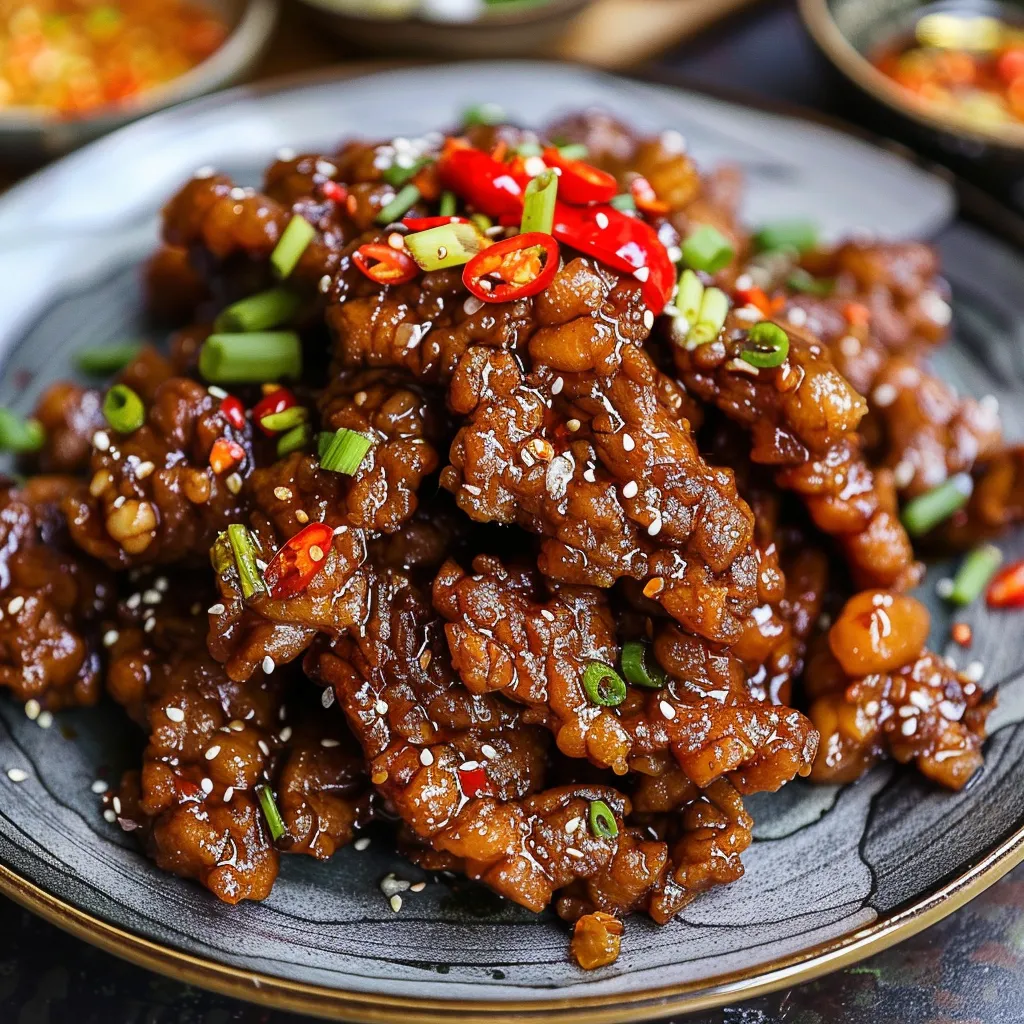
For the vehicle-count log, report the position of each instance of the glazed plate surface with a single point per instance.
(832, 873)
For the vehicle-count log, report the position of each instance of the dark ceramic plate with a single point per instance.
(833, 873)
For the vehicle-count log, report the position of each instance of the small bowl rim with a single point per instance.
(492, 16)
(255, 23)
(827, 34)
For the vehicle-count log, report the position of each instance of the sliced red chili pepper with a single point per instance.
(646, 198)
(473, 780)
(276, 401)
(513, 268)
(415, 224)
(486, 184)
(234, 412)
(334, 191)
(756, 297)
(1007, 587)
(293, 567)
(380, 263)
(579, 182)
(225, 455)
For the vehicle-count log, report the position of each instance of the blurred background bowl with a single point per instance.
(28, 135)
(448, 28)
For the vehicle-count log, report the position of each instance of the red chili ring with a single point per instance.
(390, 266)
(293, 567)
(491, 260)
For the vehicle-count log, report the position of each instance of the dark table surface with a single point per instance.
(969, 969)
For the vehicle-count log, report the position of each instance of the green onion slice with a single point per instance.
(689, 296)
(123, 409)
(343, 451)
(250, 358)
(792, 233)
(448, 204)
(274, 820)
(483, 113)
(801, 281)
(767, 345)
(447, 245)
(624, 201)
(603, 684)
(260, 312)
(398, 176)
(601, 820)
(539, 203)
(974, 574)
(482, 222)
(529, 148)
(707, 249)
(714, 308)
(101, 360)
(291, 245)
(294, 440)
(639, 668)
(286, 420)
(20, 435)
(405, 199)
(573, 151)
(244, 551)
(926, 511)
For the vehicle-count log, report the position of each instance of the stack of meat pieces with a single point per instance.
(552, 480)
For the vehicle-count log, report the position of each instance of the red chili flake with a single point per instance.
(857, 314)
(962, 634)
(1007, 587)
(234, 412)
(225, 455)
(473, 780)
(334, 191)
(293, 567)
(756, 297)
(646, 198)
(274, 401)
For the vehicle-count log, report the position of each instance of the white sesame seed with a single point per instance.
(101, 441)
(285, 734)
(426, 757)
(589, 476)
(149, 625)
(206, 171)
(109, 816)
(361, 843)
(884, 395)
(849, 346)
(216, 609)
(396, 903)
(602, 220)
(15, 605)
(417, 887)
(648, 319)
(381, 707)
(488, 751)
(161, 584)
(974, 671)
(797, 316)
(99, 786)
(656, 524)
(237, 193)
(111, 637)
(236, 726)
(212, 752)
(116, 804)
(268, 664)
(744, 282)
(628, 443)
(667, 710)
(327, 697)
(903, 473)
(32, 709)
(630, 489)
(17, 774)
(469, 766)
(228, 794)
(143, 469)
(572, 824)
(557, 385)
(152, 596)
(133, 602)
(262, 744)
(472, 489)
(217, 392)
(573, 425)
(328, 742)
(909, 727)
(45, 719)
(642, 273)
(175, 714)
(325, 167)
(233, 483)
(546, 614)
(573, 852)
(944, 587)
(207, 786)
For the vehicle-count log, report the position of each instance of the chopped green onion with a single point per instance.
(767, 346)
(448, 204)
(483, 113)
(123, 409)
(927, 510)
(539, 203)
(101, 360)
(714, 308)
(293, 440)
(259, 312)
(447, 245)
(343, 451)
(405, 199)
(636, 669)
(285, 420)
(974, 574)
(18, 435)
(707, 249)
(250, 358)
(397, 176)
(603, 684)
(624, 201)
(291, 245)
(244, 552)
(274, 820)
(797, 234)
(800, 281)
(689, 296)
(528, 149)
(573, 151)
(601, 820)
(482, 222)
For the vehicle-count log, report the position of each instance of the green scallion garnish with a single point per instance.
(482, 222)
(260, 312)
(397, 175)
(294, 440)
(624, 201)
(689, 296)
(291, 245)
(796, 234)
(483, 113)
(801, 281)
(123, 409)
(102, 360)
(286, 420)
(639, 668)
(603, 684)
(926, 511)
(405, 199)
(707, 249)
(974, 574)
(343, 451)
(448, 204)
(573, 151)
(767, 346)
(20, 435)
(601, 820)
(714, 308)
(528, 149)
(447, 245)
(539, 203)
(275, 822)
(244, 552)
(251, 358)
